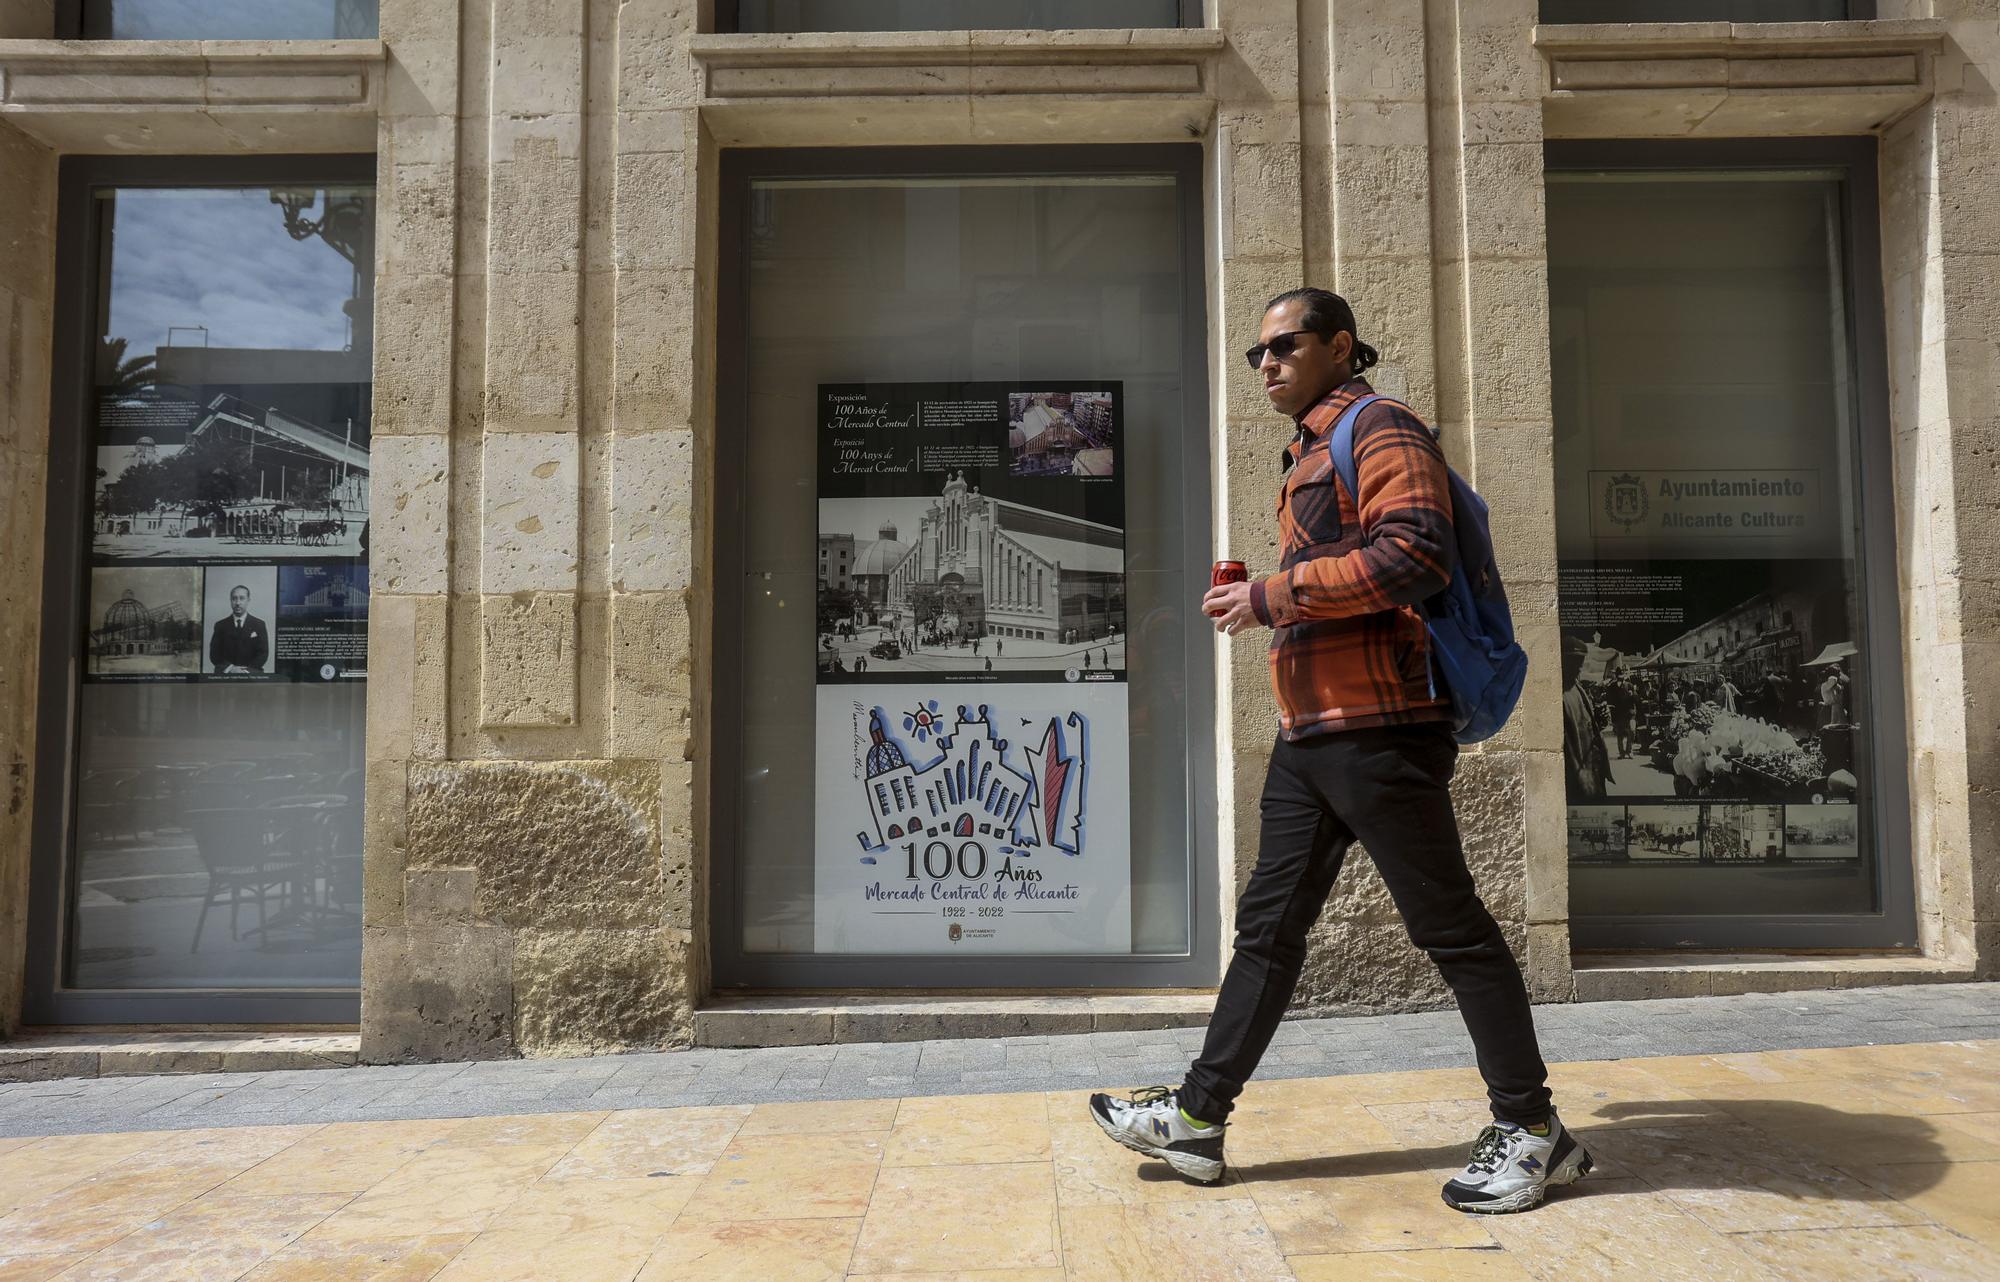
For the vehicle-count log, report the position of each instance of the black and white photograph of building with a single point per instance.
(963, 582)
(145, 621)
(1743, 834)
(242, 481)
(1815, 833)
(1069, 434)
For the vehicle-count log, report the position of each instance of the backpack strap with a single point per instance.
(1340, 448)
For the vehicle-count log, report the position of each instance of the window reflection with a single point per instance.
(219, 794)
(1716, 731)
(230, 19)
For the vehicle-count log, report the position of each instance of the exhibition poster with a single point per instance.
(229, 533)
(971, 763)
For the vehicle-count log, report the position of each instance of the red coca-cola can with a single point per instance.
(1228, 572)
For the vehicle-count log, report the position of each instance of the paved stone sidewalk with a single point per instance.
(1303, 1048)
(1871, 1163)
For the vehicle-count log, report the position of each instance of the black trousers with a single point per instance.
(1387, 787)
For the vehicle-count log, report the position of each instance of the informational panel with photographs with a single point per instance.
(230, 520)
(971, 739)
(1709, 711)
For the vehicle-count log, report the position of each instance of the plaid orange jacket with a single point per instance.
(1348, 651)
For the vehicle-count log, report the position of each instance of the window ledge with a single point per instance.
(870, 48)
(1719, 79)
(1637, 976)
(193, 96)
(956, 63)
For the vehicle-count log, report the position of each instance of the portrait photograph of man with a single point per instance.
(239, 639)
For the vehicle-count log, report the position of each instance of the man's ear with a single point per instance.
(1342, 346)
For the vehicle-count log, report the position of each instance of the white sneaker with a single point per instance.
(1512, 1168)
(1151, 1123)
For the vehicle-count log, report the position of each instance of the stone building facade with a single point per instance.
(539, 843)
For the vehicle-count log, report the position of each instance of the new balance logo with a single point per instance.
(1530, 1165)
(1160, 1126)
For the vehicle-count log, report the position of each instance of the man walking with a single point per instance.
(1364, 753)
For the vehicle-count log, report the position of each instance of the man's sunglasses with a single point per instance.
(1281, 346)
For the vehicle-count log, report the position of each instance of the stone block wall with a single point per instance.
(531, 872)
(27, 248)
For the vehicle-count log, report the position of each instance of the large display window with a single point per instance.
(964, 706)
(199, 811)
(1731, 710)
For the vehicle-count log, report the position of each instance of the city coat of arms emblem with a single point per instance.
(1625, 501)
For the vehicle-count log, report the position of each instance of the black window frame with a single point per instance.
(65, 570)
(736, 971)
(728, 19)
(1893, 925)
(1857, 11)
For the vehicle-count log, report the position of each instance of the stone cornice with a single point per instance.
(1720, 79)
(184, 95)
(956, 63)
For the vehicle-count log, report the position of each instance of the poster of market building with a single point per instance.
(971, 738)
(937, 554)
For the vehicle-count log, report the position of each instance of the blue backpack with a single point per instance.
(1473, 651)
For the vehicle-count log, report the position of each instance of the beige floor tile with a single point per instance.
(1985, 1126)
(41, 1167)
(97, 1211)
(1362, 1089)
(726, 1251)
(1486, 1265)
(1261, 1130)
(556, 1207)
(1962, 1196)
(1916, 1253)
(1317, 1209)
(18, 1141)
(1623, 1094)
(653, 1141)
(1222, 1241)
(1738, 1180)
(966, 1275)
(1621, 1231)
(957, 1130)
(351, 1157)
(443, 1191)
(1092, 1170)
(538, 1129)
(400, 1259)
(821, 1117)
(586, 1255)
(36, 1268)
(990, 1217)
(789, 1177)
(1832, 1122)
(218, 1236)
(240, 1146)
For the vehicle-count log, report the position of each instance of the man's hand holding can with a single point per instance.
(1228, 599)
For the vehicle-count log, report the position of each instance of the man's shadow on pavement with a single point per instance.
(1790, 1149)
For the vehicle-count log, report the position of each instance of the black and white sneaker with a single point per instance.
(1512, 1168)
(1150, 1122)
